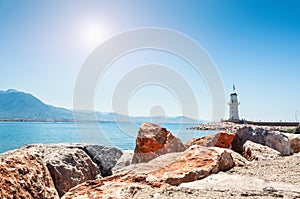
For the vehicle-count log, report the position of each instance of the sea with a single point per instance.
(121, 135)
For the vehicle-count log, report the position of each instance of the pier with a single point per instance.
(265, 123)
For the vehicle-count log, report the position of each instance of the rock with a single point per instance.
(226, 185)
(252, 180)
(234, 126)
(153, 141)
(295, 141)
(70, 168)
(214, 126)
(254, 151)
(269, 189)
(170, 169)
(241, 136)
(124, 160)
(24, 175)
(105, 190)
(272, 139)
(222, 139)
(68, 165)
(195, 163)
(279, 142)
(238, 159)
(106, 157)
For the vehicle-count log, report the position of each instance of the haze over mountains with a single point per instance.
(20, 106)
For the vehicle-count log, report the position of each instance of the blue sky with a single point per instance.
(254, 44)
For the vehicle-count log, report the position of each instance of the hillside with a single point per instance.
(20, 106)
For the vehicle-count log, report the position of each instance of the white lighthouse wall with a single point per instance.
(233, 112)
(233, 107)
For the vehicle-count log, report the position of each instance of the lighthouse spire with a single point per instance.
(233, 86)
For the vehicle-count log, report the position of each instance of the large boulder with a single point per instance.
(24, 175)
(279, 142)
(272, 139)
(153, 141)
(106, 157)
(295, 141)
(254, 151)
(195, 163)
(221, 139)
(170, 169)
(68, 164)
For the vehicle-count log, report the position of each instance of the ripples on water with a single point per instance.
(121, 135)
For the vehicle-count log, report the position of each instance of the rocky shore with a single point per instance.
(229, 126)
(237, 162)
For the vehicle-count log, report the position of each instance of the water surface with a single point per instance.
(121, 135)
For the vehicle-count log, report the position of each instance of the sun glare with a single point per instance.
(92, 33)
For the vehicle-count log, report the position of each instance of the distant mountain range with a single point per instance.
(20, 106)
(15, 105)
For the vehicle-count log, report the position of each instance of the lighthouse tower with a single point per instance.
(233, 106)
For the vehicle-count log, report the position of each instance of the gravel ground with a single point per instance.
(279, 178)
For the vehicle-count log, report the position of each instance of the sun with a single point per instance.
(92, 34)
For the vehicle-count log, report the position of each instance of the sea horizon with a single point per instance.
(122, 135)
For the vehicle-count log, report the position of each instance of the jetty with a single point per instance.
(234, 115)
(264, 123)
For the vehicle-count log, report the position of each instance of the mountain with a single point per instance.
(108, 117)
(169, 120)
(20, 106)
(15, 105)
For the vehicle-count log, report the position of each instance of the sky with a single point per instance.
(254, 44)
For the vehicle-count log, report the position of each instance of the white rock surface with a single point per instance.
(254, 151)
(124, 160)
(224, 181)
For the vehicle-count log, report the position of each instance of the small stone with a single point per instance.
(269, 189)
(156, 196)
(233, 194)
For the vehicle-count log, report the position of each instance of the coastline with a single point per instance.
(252, 162)
(230, 126)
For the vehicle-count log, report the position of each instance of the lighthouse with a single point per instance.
(233, 106)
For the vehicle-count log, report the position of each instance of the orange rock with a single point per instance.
(153, 141)
(23, 175)
(171, 169)
(222, 139)
(194, 164)
(295, 144)
(295, 141)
